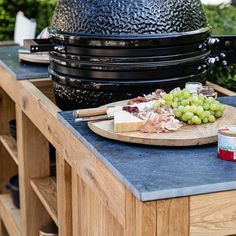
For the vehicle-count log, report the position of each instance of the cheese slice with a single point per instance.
(126, 122)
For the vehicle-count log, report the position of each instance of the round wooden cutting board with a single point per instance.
(188, 135)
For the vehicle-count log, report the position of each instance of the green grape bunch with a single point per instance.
(193, 109)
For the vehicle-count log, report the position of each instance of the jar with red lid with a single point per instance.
(227, 143)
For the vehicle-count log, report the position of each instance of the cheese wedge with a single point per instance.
(126, 122)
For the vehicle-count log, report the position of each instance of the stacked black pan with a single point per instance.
(104, 51)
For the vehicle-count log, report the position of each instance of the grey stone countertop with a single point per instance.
(153, 173)
(21, 70)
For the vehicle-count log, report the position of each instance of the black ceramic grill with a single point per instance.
(104, 51)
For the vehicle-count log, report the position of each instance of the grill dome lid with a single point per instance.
(129, 18)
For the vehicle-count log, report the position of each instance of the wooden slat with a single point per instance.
(90, 215)
(3, 231)
(46, 190)
(10, 144)
(8, 83)
(7, 108)
(64, 199)
(8, 168)
(10, 215)
(141, 218)
(91, 170)
(33, 155)
(213, 214)
(221, 90)
(173, 217)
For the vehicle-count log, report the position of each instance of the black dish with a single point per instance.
(13, 185)
(12, 126)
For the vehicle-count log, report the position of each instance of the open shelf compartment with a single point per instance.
(10, 145)
(45, 189)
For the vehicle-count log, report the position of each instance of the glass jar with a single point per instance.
(206, 91)
(193, 87)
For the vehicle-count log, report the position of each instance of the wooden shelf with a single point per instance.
(10, 144)
(10, 215)
(46, 190)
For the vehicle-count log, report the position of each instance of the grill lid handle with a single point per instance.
(223, 50)
(41, 45)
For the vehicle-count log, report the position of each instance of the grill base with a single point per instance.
(69, 97)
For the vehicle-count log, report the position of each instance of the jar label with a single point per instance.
(227, 147)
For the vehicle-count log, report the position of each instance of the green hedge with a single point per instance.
(41, 10)
(222, 19)
(223, 22)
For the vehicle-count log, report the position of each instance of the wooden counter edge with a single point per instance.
(43, 113)
(220, 90)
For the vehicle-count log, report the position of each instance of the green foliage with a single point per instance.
(41, 10)
(223, 22)
(222, 19)
(225, 77)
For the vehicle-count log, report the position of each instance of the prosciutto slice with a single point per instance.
(158, 120)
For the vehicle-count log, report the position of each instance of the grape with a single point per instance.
(175, 93)
(212, 119)
(196, 120)
(205, 120)
(202, 116)
(199, 102)
(190, 122)
(200, 110)
(212, 112)
(193, 108)
(201, 97)
(178, 113)
(195, 99)
(189, 115)
(210, 100)
(168, 103)
(206, 106)
(222, 108)
(186, 94)
(181, 108)
(167, 97)
(185, 102)
(186, 109)
(218, 114)
(214, 107)
(175, 104)
(176, 99)
(184, 118)
(207, 114)
(181, 98)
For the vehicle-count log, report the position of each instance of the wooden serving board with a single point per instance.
(188, 135)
